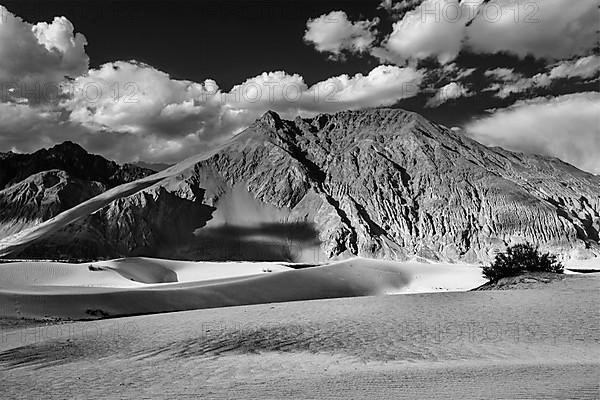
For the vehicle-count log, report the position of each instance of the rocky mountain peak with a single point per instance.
(381, 183)
(68, 147)
(271, 119)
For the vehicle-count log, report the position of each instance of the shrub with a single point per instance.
(520, 258)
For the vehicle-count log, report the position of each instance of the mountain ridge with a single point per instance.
(382, 183)
(69, 157)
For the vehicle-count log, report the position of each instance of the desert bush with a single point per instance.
(520, 258)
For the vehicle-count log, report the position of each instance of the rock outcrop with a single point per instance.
(377, 183)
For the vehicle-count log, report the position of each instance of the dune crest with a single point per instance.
(141, 285)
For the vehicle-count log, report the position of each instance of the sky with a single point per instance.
(159, 81)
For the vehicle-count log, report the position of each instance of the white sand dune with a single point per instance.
(125, 272)
(440, 277)
(592, 264)
(140, 286)
(527, 344)
(143, 285)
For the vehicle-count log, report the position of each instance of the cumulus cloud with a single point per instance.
(551, 29)
(34, 59)
(150, 100)
(167, 119)
(383, 86)
(435, 28)
(333, 33)
(135, 98)
(451, 91)
(567, 127)
(127, 110)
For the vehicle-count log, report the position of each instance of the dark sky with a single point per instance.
(228, 41)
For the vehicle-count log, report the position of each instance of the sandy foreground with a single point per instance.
(516, 344)
(526, 344)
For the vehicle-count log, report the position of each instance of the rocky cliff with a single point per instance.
(375, 183)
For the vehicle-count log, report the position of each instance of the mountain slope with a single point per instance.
(69, 157)
(375, 183)
(36, 187)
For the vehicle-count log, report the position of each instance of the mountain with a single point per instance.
(376, 183)
(69, 157)
(36, 187)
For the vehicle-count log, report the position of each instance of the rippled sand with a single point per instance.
(520, 344)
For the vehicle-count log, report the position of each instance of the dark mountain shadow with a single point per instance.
(263, 242)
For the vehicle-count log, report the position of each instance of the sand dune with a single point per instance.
(143, 285)
(530, 344)
(125, 272)
(217, 288)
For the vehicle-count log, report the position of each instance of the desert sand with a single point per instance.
(132, 286)
(517, 344)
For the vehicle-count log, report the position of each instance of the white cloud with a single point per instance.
(518, 84)
(464, 73)
(552, 29)
(503, 74)
(433, 29)
(399, 6)
(176, 118)
(334, 33)
(136, 98)
(383, 86)
(586, 67)
(453, 90)
(41, 54)
(567, 127)
(514, 83)
(128, 110)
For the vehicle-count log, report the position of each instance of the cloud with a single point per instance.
(34, 59)
(453, 90)
(516, 83)
(137, 98)
(128, 110)
(399, 7)
(586, 67)
(435, 29)
(551, 29)
(508, 82)
(502, 74)
(334, 33)
(567, 127)
(131, 110)
(150, 101)
(382, 86)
